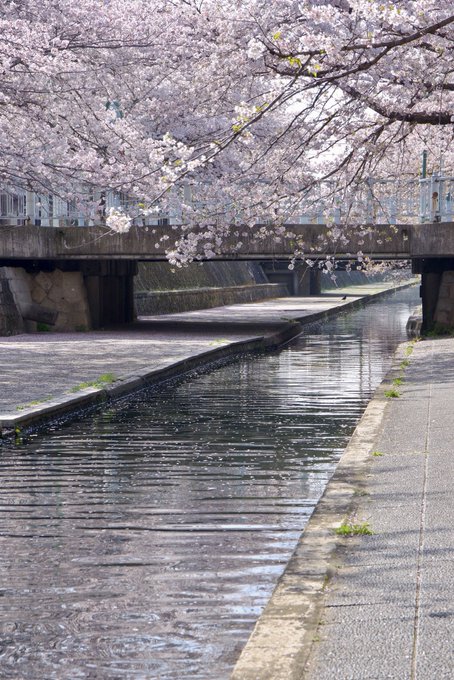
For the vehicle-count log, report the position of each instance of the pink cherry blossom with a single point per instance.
(227, 113)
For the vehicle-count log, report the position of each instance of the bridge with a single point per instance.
(379, 242)
(106, 261)
(22, 243)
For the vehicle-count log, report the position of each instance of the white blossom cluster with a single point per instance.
(118, 221)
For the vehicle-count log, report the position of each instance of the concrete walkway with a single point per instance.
(389, 611)
(370, 607)
(44, 375)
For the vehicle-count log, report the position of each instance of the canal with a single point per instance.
(143, 541)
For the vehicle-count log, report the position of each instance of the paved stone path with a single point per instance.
(389, 610)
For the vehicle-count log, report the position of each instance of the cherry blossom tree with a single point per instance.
(232, 111)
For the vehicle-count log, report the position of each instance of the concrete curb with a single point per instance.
(92, 396)
(71, 404)
(279, 646)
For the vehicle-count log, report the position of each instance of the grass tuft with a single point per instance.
(101, 381)
(392, 393)
(352, 529)
(35, 402)
(439, 331)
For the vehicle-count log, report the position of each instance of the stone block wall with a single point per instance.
(444, 311)
(19, 285)
(63, 293)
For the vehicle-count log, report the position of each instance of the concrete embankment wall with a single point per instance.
(163, 276)
(352, 278)
(163, 289)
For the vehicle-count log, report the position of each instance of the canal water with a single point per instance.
(144, 541)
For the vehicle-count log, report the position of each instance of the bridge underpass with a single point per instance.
(105, 263)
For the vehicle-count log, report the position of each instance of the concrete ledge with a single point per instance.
(92, 396)
(49, 409)
(72, 243)
(280, 643)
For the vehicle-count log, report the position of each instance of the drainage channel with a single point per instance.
(144, 541)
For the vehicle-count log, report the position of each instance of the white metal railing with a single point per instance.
(376, 201)
(437, 199)
(25, 207)
(379, 201)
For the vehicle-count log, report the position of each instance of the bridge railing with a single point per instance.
(381, 201)
(23, 207)
(376, 201)
(437, 199)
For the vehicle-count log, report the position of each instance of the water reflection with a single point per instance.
(143, 542)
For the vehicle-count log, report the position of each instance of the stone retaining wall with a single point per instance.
(57, 292)
(65, 293)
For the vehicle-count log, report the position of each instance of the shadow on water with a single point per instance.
(144, 541)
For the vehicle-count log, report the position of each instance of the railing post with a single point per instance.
(448, 202)
(30, 207)
(435, 198)
(424, 212)
(393, 209)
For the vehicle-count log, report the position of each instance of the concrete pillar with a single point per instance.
(316, 281)
(437, 290)
(302, 281)
(430, 287)
(306, 280)
(110, 292)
